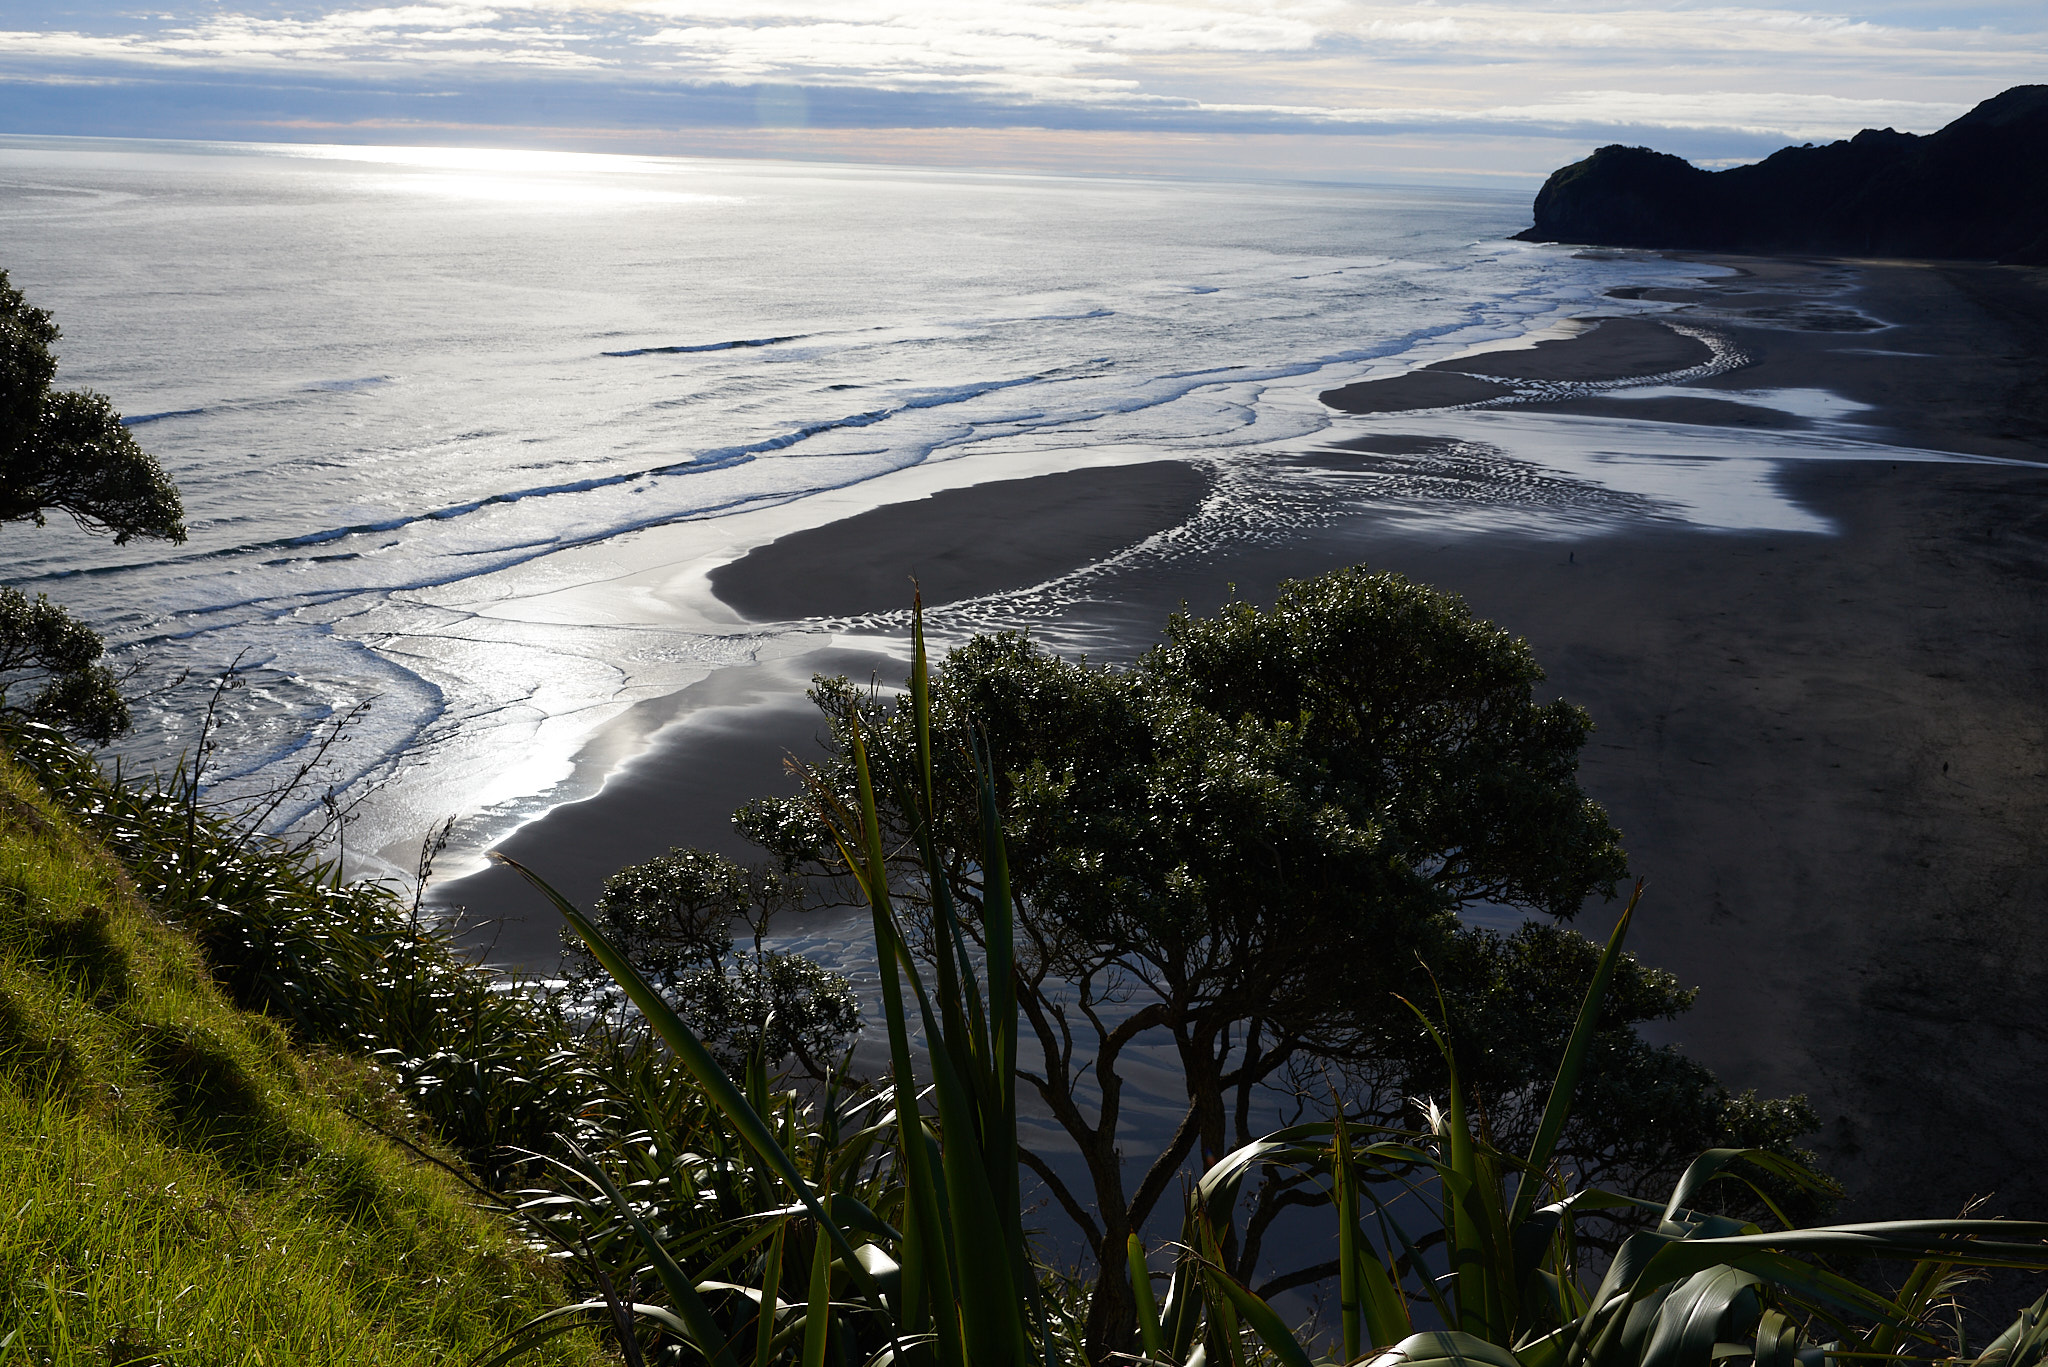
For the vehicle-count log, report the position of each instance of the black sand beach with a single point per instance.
(742, 723)
(960, 543)
(1615, 349)
(1827, 754)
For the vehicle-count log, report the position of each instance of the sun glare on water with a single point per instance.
(544, 192)
(533, 179)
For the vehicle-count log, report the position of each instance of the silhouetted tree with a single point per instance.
(673, 917)
(65, 451)
(1241, 848)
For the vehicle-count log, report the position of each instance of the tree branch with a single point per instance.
(1163, 1168)
(1075, 1210)
(1305, 1276)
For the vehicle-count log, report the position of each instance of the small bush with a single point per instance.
(491, 1068)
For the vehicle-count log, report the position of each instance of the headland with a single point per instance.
(1976, 189)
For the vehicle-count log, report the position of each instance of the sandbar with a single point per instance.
(960, 543)
(1610, 349)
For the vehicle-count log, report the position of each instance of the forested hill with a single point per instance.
(1975, 190)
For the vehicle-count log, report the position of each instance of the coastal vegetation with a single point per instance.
(690, 1192)
(563, 1113)
(184, 1180)
(902, 1238)
(253, 1110)
(65, 451)
(1238, 851)
(673, 917)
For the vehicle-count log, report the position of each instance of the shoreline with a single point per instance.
(1610, 348)
(1825, 750)
(1969, 400)
(725, 735)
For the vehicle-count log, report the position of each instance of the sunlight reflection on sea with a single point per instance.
(413, 396)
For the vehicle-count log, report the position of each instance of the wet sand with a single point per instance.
(742, 723)
(740, 726)
(1828, 754)
(960, 543)
(1613, 349)
(1829, 759)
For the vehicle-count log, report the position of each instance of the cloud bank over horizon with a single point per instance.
(1452, 89)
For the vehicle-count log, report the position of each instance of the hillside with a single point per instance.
(180, 1185)
(1975, 190)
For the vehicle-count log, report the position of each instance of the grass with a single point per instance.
(352, 967)
(178, 1183)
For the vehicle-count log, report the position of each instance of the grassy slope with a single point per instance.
(176, 1183)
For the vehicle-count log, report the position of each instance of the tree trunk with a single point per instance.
(1112, 1312)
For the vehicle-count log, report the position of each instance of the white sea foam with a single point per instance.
(406, 423)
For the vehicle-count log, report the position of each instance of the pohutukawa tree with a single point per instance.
(673, 916)
(65, 451)
(1243, 847)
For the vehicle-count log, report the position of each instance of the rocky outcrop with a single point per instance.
(1977, 190)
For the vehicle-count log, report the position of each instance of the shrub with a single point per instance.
(491, 1067)
(1451, 1250)
(674, 915)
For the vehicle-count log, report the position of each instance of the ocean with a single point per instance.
(403, 388)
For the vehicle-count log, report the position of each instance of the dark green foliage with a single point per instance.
(50, 670)
(912, 1225)
(491, 1068)
(65, 450)
(673, 915)
(1244, 846)
(1387, 701)
(1642, 1111)
(784, 1006)
(1345, 772)
(1435, 1221)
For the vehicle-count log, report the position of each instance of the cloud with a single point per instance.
(918, 39)
(1794, 115)
(1027, 49)
(1765, 114)
(1749, 71)
(1502, 28)
(414, 16)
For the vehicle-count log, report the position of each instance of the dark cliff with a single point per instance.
(1978, 189)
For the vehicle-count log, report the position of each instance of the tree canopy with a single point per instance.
(1239, 850)
(50, 670)
(65, 451)
(673, 917)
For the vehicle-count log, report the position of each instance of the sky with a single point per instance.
(1463, 91)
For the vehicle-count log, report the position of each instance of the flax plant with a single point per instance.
(952, 1281)
(1494, 1277)
(900, 1238)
